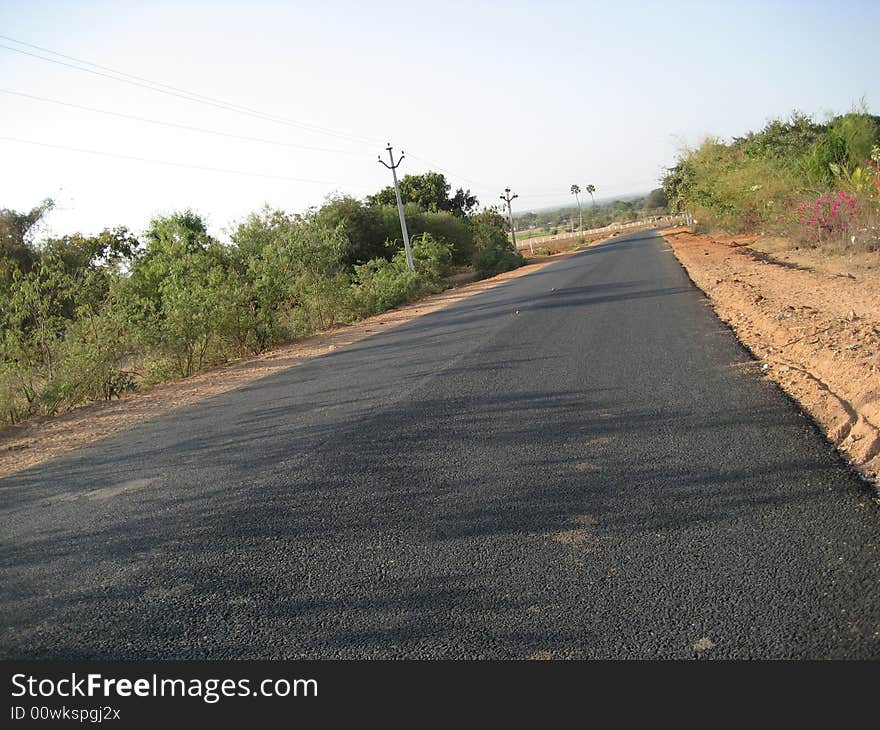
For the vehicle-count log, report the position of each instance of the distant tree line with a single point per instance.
(596, 215)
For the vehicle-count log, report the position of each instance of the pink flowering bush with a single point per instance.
(832, 216)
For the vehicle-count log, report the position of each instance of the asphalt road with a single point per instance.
(582, 462)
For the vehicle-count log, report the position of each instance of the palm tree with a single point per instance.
(591, 189)
(576, 191)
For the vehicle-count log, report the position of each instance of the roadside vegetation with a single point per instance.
(90, 317)
(817, 184)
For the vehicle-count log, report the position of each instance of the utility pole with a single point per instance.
(393, 167)
(507, 197)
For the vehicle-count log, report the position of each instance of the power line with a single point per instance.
(98, 65)
(171, 163)
(161, 88)
(203, 130)
(481, 186)
(168, 89)
(179, 126)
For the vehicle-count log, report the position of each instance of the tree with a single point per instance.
(493, 249)
(576, 191)
(463, 203)
(591, 189)
(363, 226)
(177, 248)
(430, 192)
(89, 252)
(16, 232)
(656, 199)
(258, 230)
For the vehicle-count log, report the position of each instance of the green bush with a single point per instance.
(754, 183)
(493, 250)
(381, 284)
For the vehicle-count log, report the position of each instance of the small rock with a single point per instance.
(704, 644)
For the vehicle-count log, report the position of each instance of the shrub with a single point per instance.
(493, 251)
(794, 177)
(381, 284)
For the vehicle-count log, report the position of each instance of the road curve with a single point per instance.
(582, 462)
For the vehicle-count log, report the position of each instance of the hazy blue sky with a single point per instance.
(534, 95)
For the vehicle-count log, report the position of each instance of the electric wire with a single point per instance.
(172, 163)
(160, 88)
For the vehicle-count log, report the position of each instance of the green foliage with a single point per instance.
(366, 228)
(16, 231)
(656, 201)
(373, 231)
(493, 250)
(381, 284)
(430, 192)
(61, 344)
(753, 182)
(845, 145)
(443, 226)
(90, 317)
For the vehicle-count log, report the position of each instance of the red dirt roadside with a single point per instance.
(816, 332)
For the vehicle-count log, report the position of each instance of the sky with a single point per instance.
(284, 103)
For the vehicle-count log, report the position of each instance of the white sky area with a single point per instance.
(531, 95)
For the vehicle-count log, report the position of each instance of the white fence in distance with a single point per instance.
(530, 243)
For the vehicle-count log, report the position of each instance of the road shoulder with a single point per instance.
(815, 333)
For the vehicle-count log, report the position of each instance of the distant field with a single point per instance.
(534, 233)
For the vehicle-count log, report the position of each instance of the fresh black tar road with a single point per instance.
(582, 462)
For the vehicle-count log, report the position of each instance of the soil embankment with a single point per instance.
(813, 323)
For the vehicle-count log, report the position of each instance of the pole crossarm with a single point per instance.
(394, 165)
